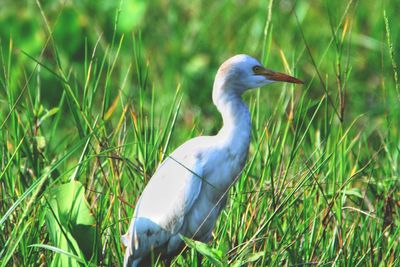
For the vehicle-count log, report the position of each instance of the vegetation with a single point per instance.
(94, 94)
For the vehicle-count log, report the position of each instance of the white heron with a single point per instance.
(189, 189)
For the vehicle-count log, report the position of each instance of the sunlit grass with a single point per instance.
(322, 179)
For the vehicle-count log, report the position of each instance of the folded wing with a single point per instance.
(161, 209)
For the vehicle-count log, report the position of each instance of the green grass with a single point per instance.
(97, 94)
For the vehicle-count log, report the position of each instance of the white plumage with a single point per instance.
(189, 189)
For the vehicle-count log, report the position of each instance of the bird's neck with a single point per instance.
(235, 115)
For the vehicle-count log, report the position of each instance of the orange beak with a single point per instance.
(277, 76)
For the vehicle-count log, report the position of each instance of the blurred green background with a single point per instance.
(184, 43)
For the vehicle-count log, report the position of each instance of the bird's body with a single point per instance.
(189, 189)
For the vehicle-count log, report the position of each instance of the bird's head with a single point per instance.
(243, 72)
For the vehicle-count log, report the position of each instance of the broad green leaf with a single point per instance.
(70, 224)
(215, 256)
(253, 257)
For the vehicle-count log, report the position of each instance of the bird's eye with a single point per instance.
(256, 69)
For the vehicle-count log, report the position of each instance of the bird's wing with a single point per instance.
(161, 209)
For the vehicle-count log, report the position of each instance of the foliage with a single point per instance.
(70, 224)
(94, 94)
